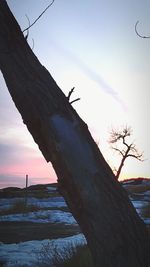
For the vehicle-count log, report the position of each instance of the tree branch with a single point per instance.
(70, 93)
(124, 142)
(119, 151)
(77, 99)
(26, 29)
(26, 36)
(139, 157)
(116, 135)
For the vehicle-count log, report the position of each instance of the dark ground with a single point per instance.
(15, 232)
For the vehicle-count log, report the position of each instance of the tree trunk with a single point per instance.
(116, 236)
(122, 163)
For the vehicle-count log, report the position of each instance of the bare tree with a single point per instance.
(124, 147)
(114, 231)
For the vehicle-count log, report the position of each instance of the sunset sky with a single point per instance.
(92, 46)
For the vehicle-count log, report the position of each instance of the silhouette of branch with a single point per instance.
(124, 142)
(26, 29)
(139, 156)
(116, 135)
(26, 36)
(141, 36)
(118, 150)
(70, 93)
(75, 100)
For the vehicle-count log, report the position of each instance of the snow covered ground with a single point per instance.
(42, 216)
(29, 254)
(139, 205)
(56, 215)
(50, 202)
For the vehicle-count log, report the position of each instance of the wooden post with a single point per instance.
(26, 181)
(26, 192)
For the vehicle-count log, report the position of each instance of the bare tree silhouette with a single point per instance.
(123, 146)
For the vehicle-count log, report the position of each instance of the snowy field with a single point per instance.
(27, 254)
(50, 202)
(140, 199)
(45, 216)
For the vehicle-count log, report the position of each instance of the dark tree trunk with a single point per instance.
(122, 163)
(116, 236)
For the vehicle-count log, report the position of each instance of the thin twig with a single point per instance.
(118, 150)
(138, 157)
(39, 16)
(77, 99)
(27, 35)
(28, 27)
(142, 36)
(70, 93)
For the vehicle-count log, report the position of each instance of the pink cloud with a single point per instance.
(38, 170)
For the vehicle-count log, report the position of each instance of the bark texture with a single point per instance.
(116, 236)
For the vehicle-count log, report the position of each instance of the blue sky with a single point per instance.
(91, 45)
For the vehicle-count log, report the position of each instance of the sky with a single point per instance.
(92, 46)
